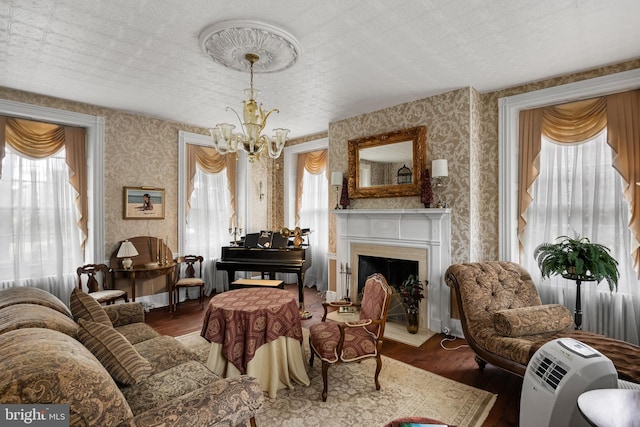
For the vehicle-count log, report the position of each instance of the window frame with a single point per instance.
(94, 126)
(508, 142)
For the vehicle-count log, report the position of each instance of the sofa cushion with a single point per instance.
(167, 385)
(518, 322)
(29, 295)
(83, 306)
(36, 316)
(115, 353)
(164, 352)
(124, 314)
(42, 366)
(137, 332)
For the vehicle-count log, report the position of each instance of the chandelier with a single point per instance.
(251, 139)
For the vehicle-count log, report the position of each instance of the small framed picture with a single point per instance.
(143, 203)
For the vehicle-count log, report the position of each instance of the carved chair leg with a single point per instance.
(378, 369)
(252, 421)
(325, 370)
(481, 363)
(313, 353)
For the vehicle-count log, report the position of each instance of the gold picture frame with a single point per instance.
(143, 203)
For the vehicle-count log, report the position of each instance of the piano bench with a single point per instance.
(256, 283)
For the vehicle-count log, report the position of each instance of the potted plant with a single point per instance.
(577, 259)
(411, 292)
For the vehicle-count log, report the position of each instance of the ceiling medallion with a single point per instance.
(229, 42)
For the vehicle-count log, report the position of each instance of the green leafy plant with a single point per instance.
(577, 259)
(411, 291)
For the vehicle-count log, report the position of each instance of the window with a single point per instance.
(617, 313)
(203, 219)
(39, 235)
(314, 214)
(578, 192)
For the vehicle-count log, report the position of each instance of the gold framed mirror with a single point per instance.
(388, 164)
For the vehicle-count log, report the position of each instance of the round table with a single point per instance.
(256, 331)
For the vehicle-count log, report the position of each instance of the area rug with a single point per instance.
(405, 391)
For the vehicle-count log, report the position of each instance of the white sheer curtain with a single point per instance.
(314, 214)
(207, 228)
(579, 193)
(39, 234)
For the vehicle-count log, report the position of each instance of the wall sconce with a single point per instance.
(336, 181)
(261, 190)
(439, 170)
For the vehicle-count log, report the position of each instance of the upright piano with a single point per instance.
(267, 260)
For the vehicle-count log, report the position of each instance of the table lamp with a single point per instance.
(336, 181)
(126, 251)
(439, 170)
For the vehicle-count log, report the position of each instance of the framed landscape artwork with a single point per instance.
(143, 203)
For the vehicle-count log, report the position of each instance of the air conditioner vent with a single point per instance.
(549, 371)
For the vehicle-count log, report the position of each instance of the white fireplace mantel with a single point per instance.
(397, 230)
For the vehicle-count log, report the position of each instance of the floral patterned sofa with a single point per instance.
(505, 322)
(110, 367)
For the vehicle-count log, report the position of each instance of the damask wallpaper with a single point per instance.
(462, 127)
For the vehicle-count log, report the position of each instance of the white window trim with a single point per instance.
(94, 126)
(508, 125)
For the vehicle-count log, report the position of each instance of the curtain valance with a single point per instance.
(580, 121)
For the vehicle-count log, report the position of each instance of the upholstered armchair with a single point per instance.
(505, 323)
(355, 341)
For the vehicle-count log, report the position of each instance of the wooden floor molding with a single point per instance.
(456, 363)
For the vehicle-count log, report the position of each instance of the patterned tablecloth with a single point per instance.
(245, 319)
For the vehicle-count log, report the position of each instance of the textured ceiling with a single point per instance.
(358, 55)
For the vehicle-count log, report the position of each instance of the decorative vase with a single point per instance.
(413, 319)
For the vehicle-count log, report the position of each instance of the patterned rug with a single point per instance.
(353, 400)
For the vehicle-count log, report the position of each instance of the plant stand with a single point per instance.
(577, 316)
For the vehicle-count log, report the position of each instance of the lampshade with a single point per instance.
(127, 250)
(336, 178)
(439, 168)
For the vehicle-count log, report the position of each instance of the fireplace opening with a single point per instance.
(395, 271)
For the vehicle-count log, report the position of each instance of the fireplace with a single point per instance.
(418, 237)
(395, 270)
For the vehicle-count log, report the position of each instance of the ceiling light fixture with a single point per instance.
(239, 45)
(250, 140)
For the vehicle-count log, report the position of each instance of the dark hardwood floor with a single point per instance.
(458, 365)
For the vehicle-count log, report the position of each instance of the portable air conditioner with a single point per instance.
(559, 372)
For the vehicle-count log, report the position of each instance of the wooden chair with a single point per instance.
(353, 341)
(96, 274)
(188, 278)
